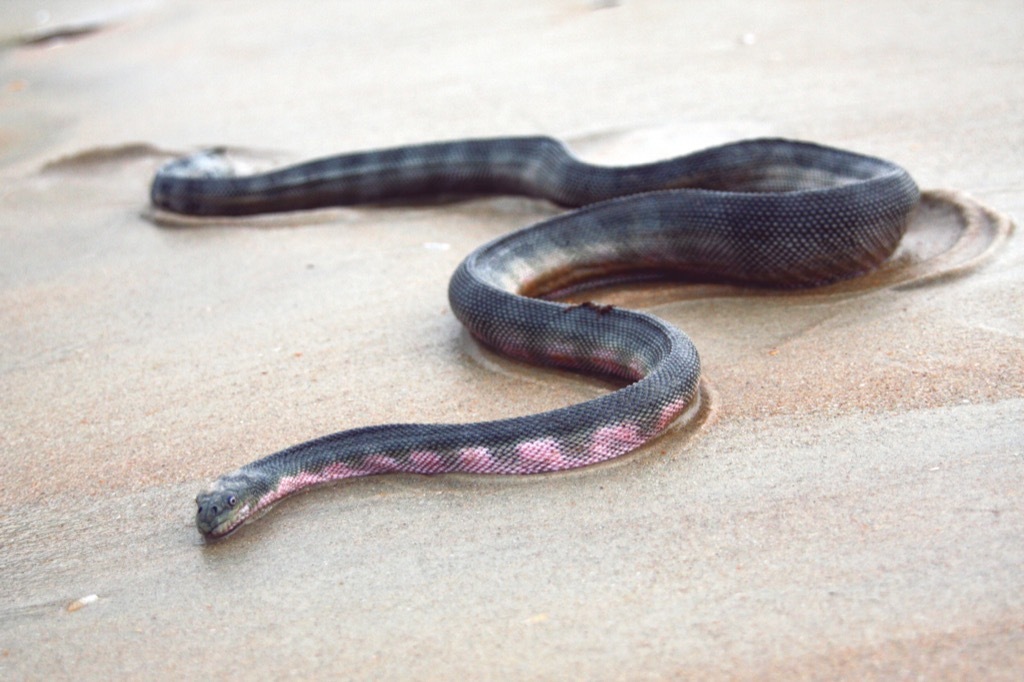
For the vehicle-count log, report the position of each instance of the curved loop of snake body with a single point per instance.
(760, 212)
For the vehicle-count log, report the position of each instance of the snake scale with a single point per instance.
(765, 212)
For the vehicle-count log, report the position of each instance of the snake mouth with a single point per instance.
(221, 530)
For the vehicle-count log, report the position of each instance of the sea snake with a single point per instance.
(766, 212)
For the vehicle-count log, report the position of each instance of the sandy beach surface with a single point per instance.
(848, 504)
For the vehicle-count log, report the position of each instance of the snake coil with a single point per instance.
(762, 212)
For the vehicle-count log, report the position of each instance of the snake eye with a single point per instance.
(232, 500)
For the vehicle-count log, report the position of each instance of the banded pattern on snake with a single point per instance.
(762, 212)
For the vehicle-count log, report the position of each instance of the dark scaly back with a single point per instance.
(761, 212)
(768, 212)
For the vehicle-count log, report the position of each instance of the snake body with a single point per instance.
(761, 212)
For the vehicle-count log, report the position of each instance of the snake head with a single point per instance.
(224, 506)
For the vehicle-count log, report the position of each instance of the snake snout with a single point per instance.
(216, 511)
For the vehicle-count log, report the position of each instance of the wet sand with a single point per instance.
(848, 504)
